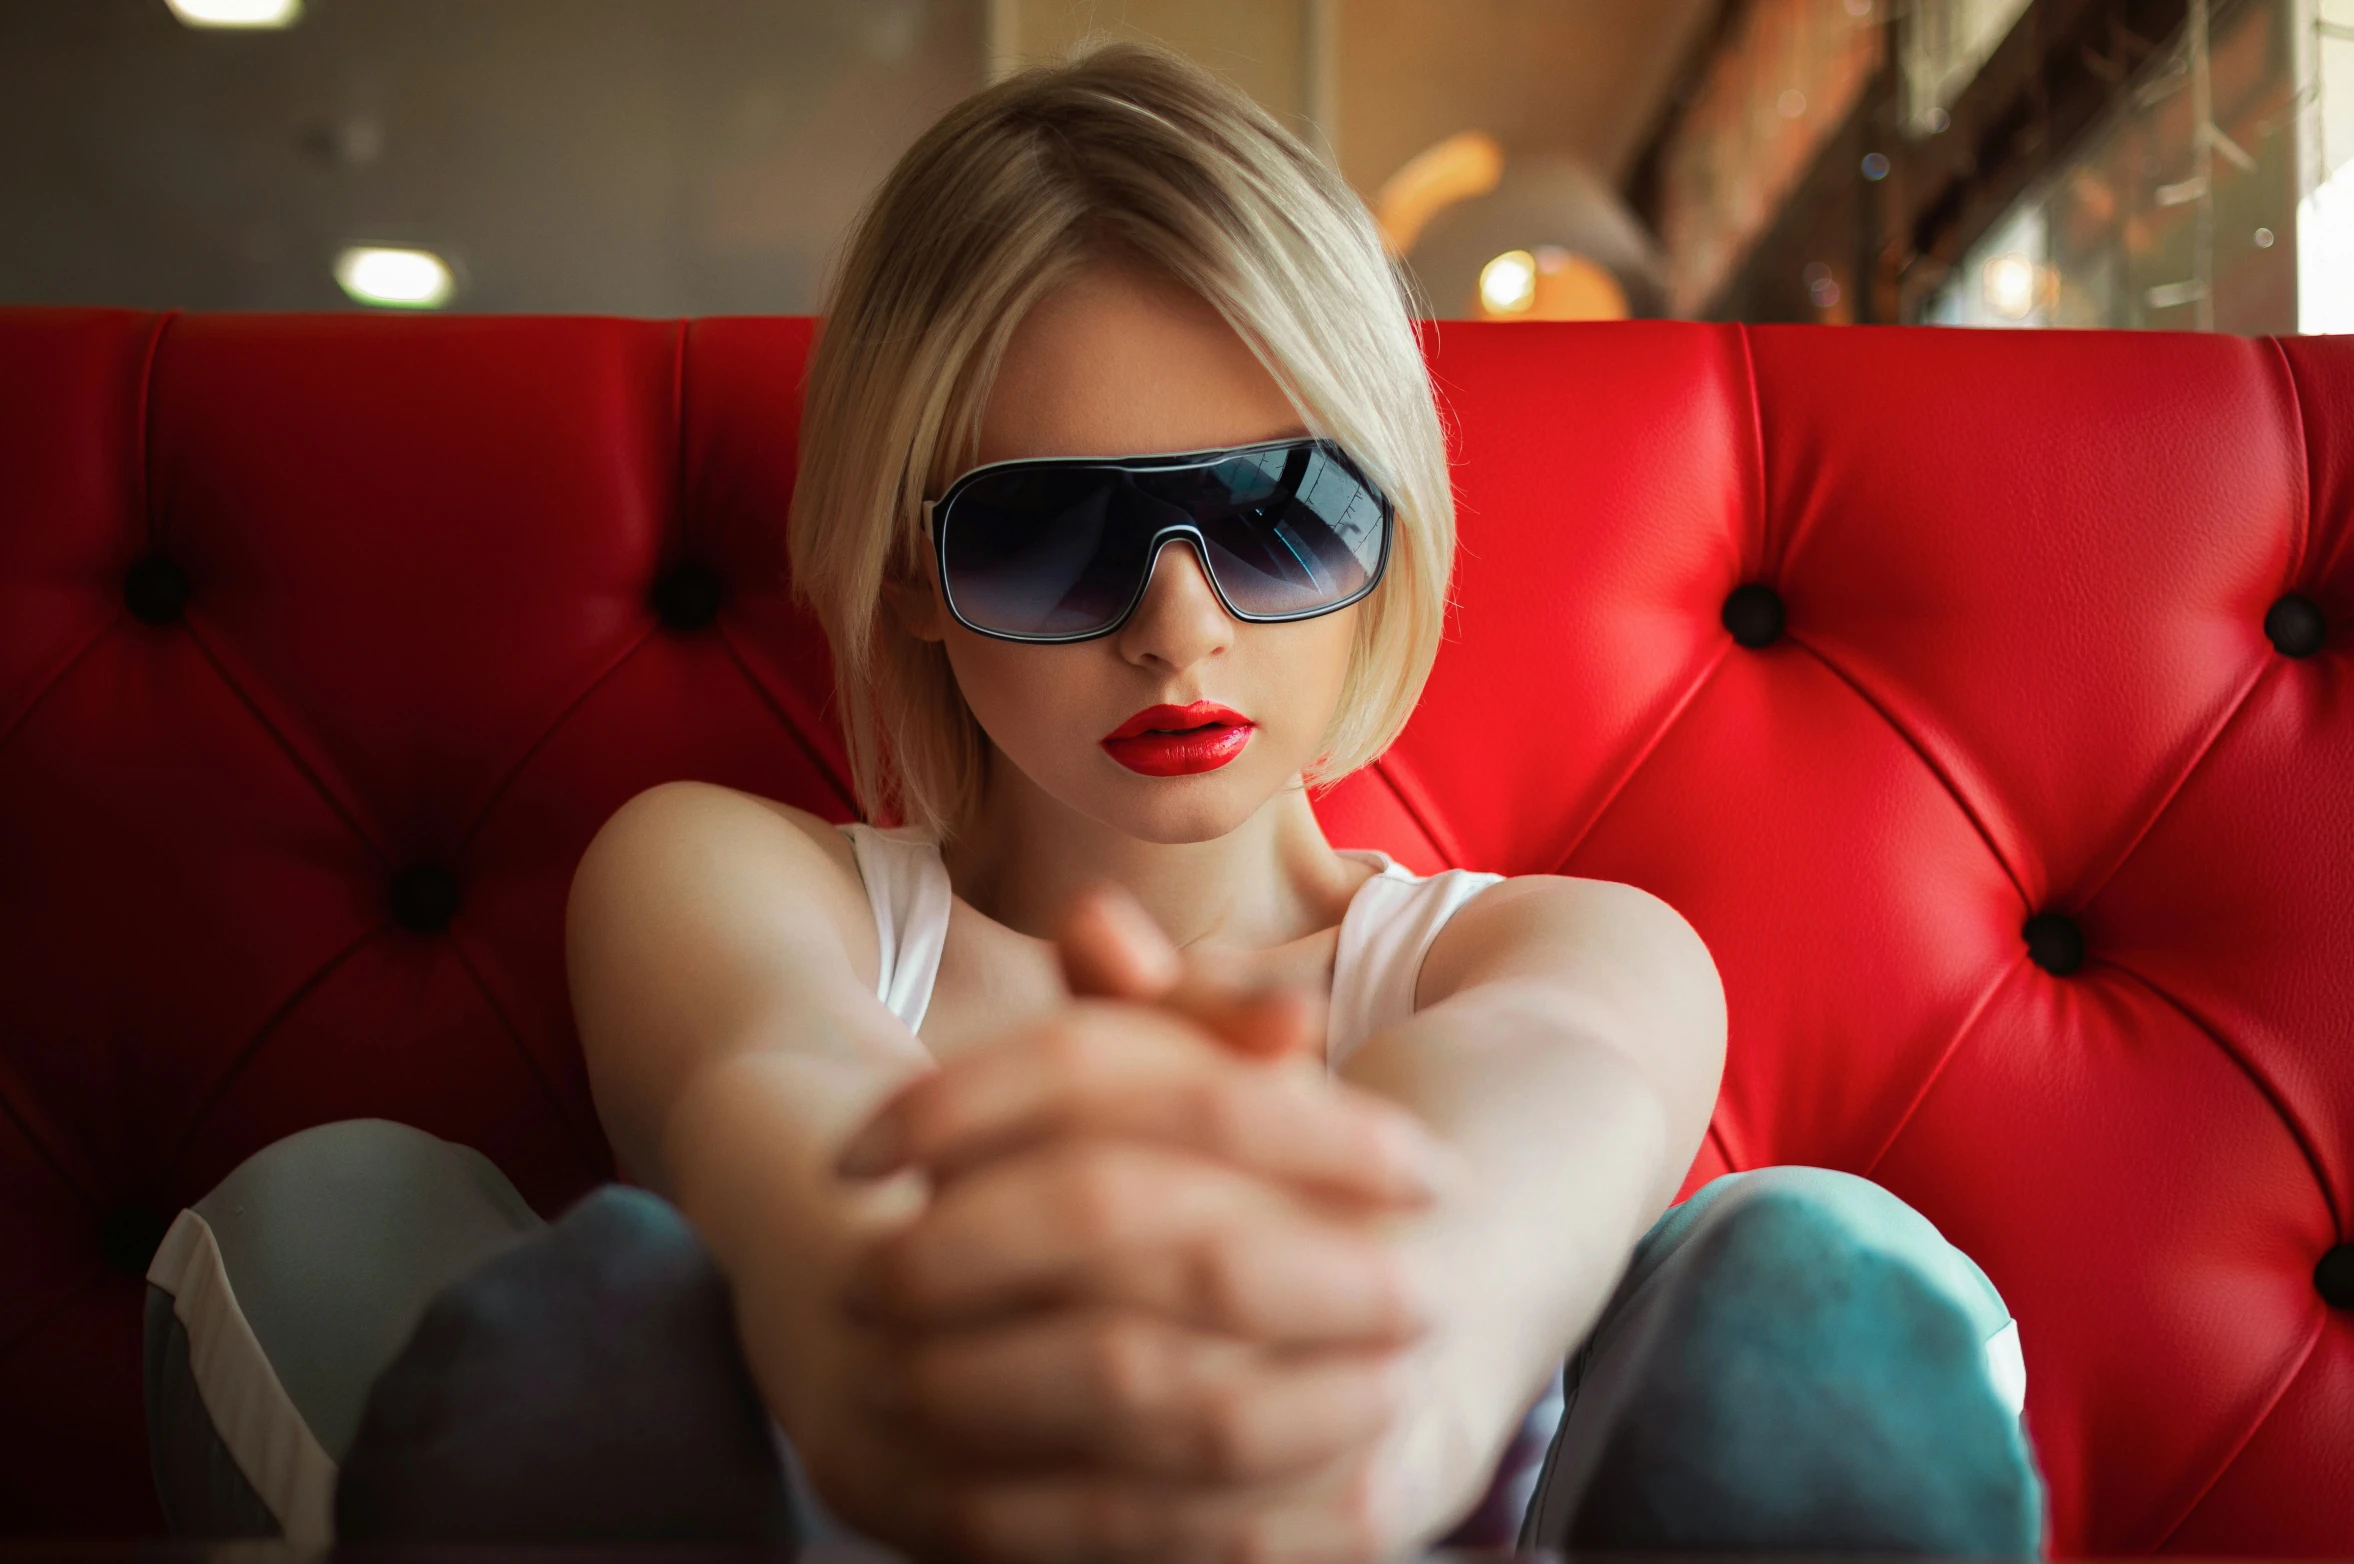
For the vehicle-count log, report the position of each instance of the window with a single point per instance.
(2180, 209)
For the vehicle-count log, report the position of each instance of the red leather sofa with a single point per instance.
(1985, 701)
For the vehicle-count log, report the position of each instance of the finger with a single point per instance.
(1112, 949)
(1118, 1071)
(1271, 1023)
(1122, 1391)
(1123, 1224)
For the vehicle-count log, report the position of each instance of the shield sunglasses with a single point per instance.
(1062, 548)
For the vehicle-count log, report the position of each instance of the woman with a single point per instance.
(1102, 1164)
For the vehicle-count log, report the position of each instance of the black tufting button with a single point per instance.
(129, 1237)
(156, 590)
(1753, 613)
(2054, 942)
(687, 598)
(2333, 1278)
(424, 898)
(2296, 626)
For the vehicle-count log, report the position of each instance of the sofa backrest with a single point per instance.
(1983, 699)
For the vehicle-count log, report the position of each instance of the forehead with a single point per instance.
(1122, 362)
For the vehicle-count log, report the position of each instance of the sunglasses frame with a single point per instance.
(1188, 532)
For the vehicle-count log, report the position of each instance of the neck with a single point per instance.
(1270, 880)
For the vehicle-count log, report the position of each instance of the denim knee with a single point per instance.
(1872, 1217)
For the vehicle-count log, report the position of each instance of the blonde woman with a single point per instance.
(1101, 1164)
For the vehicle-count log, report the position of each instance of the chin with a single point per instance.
(1171, 810)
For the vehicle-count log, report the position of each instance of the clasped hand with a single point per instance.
(1149, 1308)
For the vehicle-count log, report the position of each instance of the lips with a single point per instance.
(1179, 741)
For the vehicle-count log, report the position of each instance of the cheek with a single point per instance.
(1022, 695)
(1292, 676)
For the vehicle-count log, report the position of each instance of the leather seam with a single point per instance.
(563, 714)
(43, 1150)
(1397, 774)
(2240, 1445)
(253, 1045)
(793, 728)
(2275, 1099)
(1642, 756)
(286, 747)
(1379, 769)
(586, 1145)
(2213, 737)
(1928, 762)
(2301, 546)
(1716, 1136)
(1760, 511)
(144, 433)
(59, 674)
(1936, 1071)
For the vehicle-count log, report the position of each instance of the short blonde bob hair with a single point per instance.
(1125, 152)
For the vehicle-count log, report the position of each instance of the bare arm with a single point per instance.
(1569, 1046)
(722, 956)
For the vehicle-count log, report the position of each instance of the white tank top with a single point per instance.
(1386, 932)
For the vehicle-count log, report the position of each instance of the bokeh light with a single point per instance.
(237, 13)
(1508, 284)
(395, 278)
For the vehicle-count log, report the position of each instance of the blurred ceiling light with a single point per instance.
(2009, 281)
(237, 13)
(1466, 164)
(1792, 103)
(395, 279)
(1508, 284)
(1549, 283)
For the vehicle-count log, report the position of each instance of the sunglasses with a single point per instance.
(1062, 548)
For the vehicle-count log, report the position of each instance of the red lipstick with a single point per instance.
(1179, 741)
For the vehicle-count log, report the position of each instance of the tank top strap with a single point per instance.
(907, 885)
(1386, 932)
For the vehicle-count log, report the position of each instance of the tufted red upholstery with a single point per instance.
(2025, 580)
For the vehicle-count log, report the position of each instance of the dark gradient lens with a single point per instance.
(1297, 531)
(1059, 551)
(1041, 551)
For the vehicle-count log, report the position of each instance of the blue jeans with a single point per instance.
(1795, 1360)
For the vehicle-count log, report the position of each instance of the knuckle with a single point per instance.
(1221, 1283)
(1227, 1436)
(1098, 1197)
(1133, 1366)
(1064, 1045)
(1223, 1109)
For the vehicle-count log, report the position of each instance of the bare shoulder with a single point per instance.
(691, 820)
(703, 921)
(1585, 932)
(695, 865)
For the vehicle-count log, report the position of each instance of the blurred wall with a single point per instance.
(1379, 80)
(661, 157)
(1586, 79)
(1275, 50)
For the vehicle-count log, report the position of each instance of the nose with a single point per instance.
(1180, 621)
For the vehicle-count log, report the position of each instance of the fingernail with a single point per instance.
(872, 1152)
